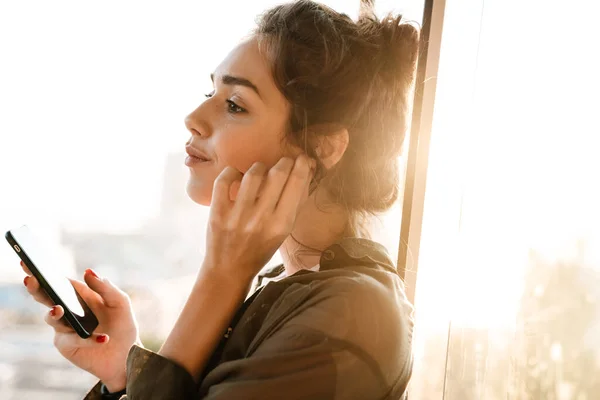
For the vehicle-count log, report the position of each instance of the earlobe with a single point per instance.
(331, 148)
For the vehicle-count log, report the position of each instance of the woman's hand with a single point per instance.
(243, 234)
(104, 354)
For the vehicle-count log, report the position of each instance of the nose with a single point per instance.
(196, 125)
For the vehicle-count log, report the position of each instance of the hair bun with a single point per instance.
(395, 43)
(356, 74)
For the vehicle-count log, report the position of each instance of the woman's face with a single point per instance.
(241, 122)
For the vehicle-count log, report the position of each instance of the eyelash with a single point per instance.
(232, 107)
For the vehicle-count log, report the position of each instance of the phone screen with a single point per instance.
(47, 267)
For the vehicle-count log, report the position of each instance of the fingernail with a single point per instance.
(53, 311)
(91, 272)
(101, 338)
(25, 281)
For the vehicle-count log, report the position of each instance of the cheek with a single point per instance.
(239, 154)
(243, 150)
(239, 148)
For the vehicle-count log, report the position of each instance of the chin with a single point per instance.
(199, 193)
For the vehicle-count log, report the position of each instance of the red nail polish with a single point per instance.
(25, 280)
(53, 311)
(91, 272)
(101, 338)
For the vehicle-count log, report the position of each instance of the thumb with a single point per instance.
(112, 295)
(91, 298)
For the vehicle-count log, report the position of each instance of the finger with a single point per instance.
(278, 176)
(100, 291)
(294, 189)
(38, 294)
(250, 185)
(25, 268)
(53, 318)
(64, 341)
(90, 297)
(233, 191)
(221, 201)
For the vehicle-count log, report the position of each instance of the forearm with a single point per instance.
(212, 303)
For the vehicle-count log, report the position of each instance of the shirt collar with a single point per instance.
(345, 252)
(356, 251)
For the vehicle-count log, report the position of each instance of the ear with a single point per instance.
(330, 148)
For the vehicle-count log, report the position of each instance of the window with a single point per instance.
(507, 280)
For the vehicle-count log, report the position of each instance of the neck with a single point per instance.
(316, 229)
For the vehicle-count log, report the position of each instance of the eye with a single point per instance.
(234, 108)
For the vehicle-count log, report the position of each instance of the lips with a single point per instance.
(196, 153)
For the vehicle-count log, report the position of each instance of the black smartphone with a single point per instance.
(56, 285)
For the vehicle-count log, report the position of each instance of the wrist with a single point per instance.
(224, 276)
(213, 301)
(115, 385)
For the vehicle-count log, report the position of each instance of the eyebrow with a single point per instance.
(235, 80)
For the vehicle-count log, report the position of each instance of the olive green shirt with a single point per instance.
(343, 332)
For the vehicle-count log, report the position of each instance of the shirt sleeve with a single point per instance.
(96, 394)
(151, 376)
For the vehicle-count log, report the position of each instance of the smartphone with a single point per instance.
(56, 285)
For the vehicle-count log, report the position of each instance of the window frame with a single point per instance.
(419, 142)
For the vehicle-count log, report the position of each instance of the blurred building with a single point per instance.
(156, 264)
(168, 245)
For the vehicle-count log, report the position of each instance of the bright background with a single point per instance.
(92, 101)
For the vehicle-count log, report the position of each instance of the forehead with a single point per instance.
(246, 61)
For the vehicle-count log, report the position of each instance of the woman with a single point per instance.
(296, 145)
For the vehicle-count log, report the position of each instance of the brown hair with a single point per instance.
(336, 72)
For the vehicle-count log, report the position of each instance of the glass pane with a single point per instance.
(510, 239)
(443, 196)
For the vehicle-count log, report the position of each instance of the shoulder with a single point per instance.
(361, 301)
(358, 288)
(362, 317)
(363, 306)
